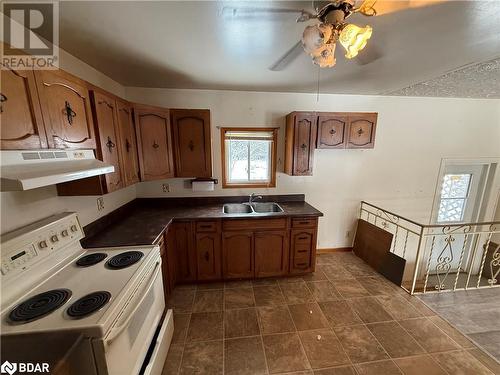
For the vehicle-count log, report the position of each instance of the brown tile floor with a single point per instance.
(344, 319)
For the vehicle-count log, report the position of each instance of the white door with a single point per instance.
(459, 201)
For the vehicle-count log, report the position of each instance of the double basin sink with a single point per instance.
(251, 208)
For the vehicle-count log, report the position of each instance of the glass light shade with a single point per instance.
(326, 57)
(353, 38)
(315, 37)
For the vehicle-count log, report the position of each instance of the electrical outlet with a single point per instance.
(165, 188)
(348, 234)
(100, 204)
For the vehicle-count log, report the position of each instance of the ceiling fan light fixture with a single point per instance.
(315, 37)
(326, 59)
(354, 38)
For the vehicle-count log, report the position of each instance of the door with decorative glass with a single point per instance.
(458, 200)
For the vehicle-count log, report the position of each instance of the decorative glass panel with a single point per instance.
(454, 192)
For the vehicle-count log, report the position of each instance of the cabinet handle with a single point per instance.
(302, 251)
(332, 131)
(302, 238)
(127, 145)
(303, 222)
(68, 111)
(303, 146)
(205, 226)
(155, 145)
(3, 98)
(360, 131)
(191, 145)
(207, 256)
(301, 265)
(110, 144)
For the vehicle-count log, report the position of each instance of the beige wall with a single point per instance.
(21, 208)
(413, 135)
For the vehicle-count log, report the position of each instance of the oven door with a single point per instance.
(127, 343)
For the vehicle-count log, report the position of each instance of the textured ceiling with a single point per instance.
(475, 81)
(199, 45)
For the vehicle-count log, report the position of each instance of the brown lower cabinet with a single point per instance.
(271, 253)
(208, 250)
(237, 255)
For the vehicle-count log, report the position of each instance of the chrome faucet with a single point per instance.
(252, 197)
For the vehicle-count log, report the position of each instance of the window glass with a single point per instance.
(454, 193)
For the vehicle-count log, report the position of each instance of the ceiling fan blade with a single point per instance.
(368, 55)
(245, 12)
(288, 57)
(382, 7)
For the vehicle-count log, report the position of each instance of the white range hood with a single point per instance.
(24, 170)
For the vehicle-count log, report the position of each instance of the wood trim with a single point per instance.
(274, 152)
(330, 250)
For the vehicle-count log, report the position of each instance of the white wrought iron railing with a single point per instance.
(440, 257)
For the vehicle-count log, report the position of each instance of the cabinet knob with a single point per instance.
(360, 131)
(207, 256)
(69, 113)
(332, 131)
(3, 98)
(191, 145)
(303, 146)
(110, 144)
(155, 145)
(127, 145)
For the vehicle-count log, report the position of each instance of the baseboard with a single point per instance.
(333, 250)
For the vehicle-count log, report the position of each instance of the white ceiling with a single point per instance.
(188, 44)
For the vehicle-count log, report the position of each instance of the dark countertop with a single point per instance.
(143, 221)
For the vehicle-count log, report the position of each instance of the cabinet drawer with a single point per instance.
(304, 222)
(207, 226)
(245, 224)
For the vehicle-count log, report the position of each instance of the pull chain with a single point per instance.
(317, 92)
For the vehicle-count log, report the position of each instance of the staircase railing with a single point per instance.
(440, 257)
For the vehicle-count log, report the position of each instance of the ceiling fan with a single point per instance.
(320, 40)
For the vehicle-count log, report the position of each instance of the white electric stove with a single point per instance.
(111, 297)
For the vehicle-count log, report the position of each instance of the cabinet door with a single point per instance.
(184, 252)
(154, 143)
(193, 154)
(208, 249)
(302, 250)
(238, 255)
(331, 130)
(128, 144)
(304, 142)
(362, 130)
(271, 253)
(20, 114)
(66, 110)
(106, 119)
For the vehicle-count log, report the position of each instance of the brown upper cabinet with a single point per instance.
(361, 133)
(66, 110)
(127, 143)
(329, 130)
(192, 145)
(106, 121)
(300, 139)
(332, 130)
(154, 142)
(20, 113)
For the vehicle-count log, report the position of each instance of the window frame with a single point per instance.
(274, 151)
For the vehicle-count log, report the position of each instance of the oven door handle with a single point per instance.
(115, 331)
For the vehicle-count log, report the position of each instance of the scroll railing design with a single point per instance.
(440, 257)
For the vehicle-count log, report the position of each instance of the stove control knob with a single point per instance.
(74, 228)
(64, 233)
(54, 238)
(42, 244)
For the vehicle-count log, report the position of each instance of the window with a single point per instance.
(454, 193)
(249, 157)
